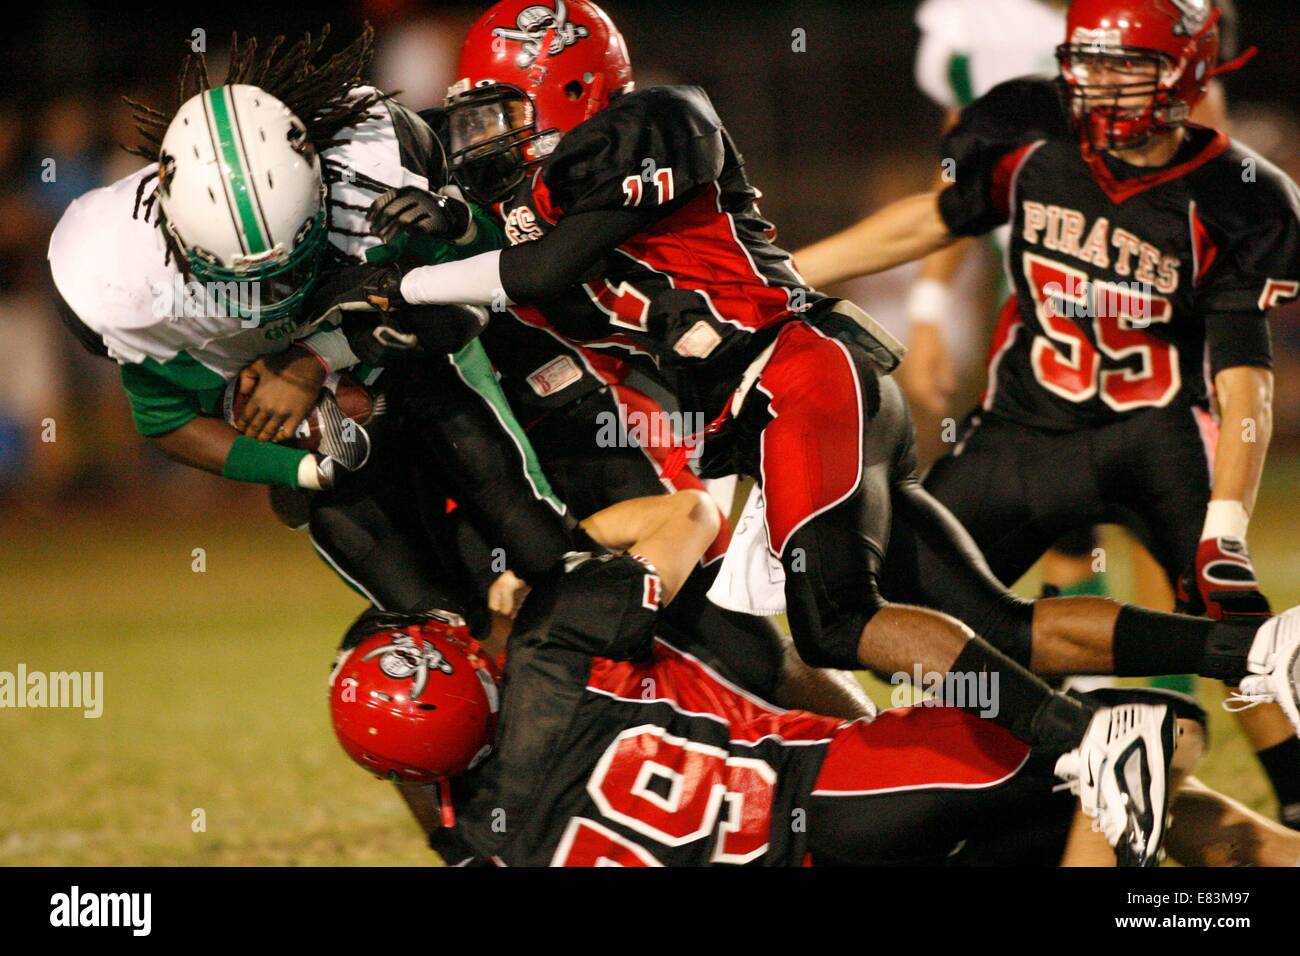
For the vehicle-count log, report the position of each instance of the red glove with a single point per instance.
(1225, 581)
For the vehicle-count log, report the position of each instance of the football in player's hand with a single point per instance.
(354, 400)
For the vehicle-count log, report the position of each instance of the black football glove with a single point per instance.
(356, 288)
(416, 212)
(413, 332)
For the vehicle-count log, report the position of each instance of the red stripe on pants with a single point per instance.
(916, 747)
(812, 449)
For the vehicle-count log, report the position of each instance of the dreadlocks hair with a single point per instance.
(316, 90)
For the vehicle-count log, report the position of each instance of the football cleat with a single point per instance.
(1120, 772)
(1274, 666)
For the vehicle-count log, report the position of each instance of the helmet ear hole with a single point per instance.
(573, 89)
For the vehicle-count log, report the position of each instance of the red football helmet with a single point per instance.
(1137, 67)
(528, 74)
(414, 697)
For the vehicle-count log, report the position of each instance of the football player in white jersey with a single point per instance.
(219, 262)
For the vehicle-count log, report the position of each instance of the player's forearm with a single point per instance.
(530, 271)
(211, 445)
(472, 281)
(905, 230)
(1246, 417)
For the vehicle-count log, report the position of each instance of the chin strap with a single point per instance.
(444, 803)
(1235, 64)
(1232, 65)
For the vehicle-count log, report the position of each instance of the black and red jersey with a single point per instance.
(1131, 285)
(539, 369)
(615, 746)
(700, 287)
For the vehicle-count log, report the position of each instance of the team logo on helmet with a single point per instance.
(1096, 41)
(1195, 13)
(406, 657)
(531, 27)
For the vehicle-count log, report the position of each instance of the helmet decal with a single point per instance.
(1099, 40)
(531, 27)
(397, 722)
(1195, 14)
(407, 656)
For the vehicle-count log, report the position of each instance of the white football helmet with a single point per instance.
(241, 193)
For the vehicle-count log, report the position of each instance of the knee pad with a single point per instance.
(832, 591)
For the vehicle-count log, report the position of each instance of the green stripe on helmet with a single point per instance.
(236, 175)
(959, 79)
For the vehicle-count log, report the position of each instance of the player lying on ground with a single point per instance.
(683, 269)
(1138, 250)
(605, 743)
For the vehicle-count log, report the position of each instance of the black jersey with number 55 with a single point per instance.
(1132, 285)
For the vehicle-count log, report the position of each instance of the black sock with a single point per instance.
(1282, 764)
(1048, 721)
(1226, 649)
(1149, 643)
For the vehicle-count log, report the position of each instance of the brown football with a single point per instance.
(355, 400)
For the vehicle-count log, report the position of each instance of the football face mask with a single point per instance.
(1121, 99)
(263, 288)
(494, 140)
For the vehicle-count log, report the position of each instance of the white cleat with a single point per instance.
(1274, 665)
(1120, 772)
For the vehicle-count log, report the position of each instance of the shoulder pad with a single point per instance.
(1243, 182)
(107, 261)
(1019, 110)
(641, 134)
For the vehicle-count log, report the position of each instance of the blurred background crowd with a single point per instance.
(820, 96)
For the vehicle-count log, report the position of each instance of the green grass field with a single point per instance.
(214, 693)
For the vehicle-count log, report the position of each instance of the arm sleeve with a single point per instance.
(157, 405)
(263, 463)
(568, 254)
(330, 345)
(1238, 339)
(532, 271)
